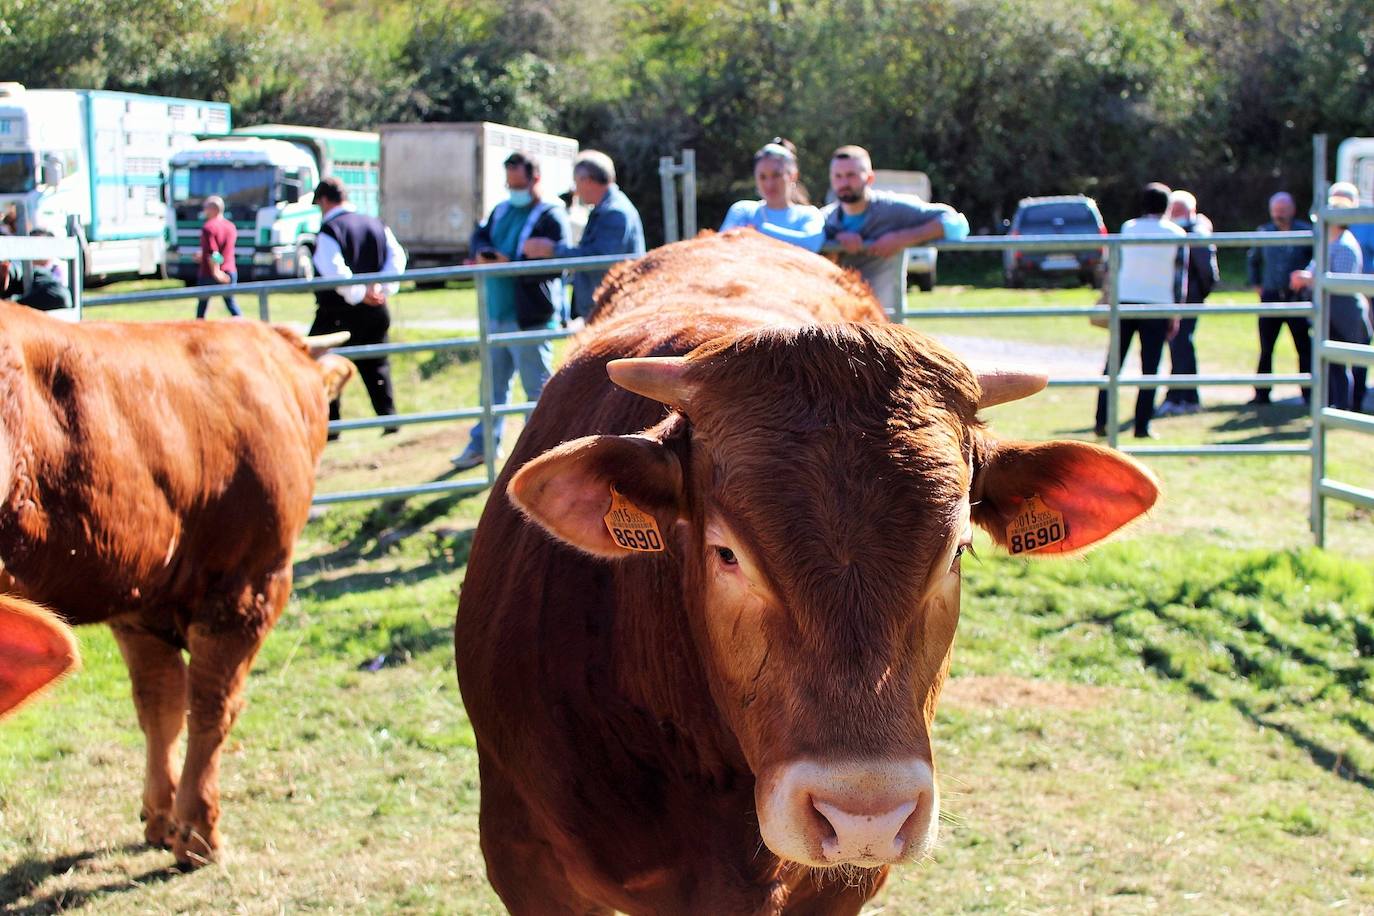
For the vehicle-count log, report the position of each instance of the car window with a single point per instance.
(1065, 214)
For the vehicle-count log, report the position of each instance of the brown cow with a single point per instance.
(35, 649)
(155, 477)
(740, 722)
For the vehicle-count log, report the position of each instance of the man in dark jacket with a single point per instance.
(352, 243)
(1269, 268)
(47, 292)
(613, 226)
(1202, 277)
(529, 303)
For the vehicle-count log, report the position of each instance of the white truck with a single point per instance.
(91, 163)
(1355, 163)
(266, 174)
(440, 180)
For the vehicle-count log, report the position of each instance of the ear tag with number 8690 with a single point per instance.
(631, 527)
(1035, 527)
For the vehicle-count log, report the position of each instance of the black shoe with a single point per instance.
(333, 437)
(391, 430)
(1146, 434)
(1258, 401)
(1100, 431)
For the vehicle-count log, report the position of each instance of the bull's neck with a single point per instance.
(659, 666)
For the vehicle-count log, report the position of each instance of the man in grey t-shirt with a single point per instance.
(875, 228)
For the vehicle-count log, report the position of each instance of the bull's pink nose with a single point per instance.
(856, 836)
(865, 812)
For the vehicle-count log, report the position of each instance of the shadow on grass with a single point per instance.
(29, 874)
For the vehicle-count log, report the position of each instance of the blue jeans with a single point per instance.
(203, 304)
(535, 362)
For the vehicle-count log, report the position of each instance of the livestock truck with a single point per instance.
(439, 180)
(90, 164)
(266, 175)
(1355, 163)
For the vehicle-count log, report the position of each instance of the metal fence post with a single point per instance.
(668, 184)
(689, 193)
(484, 349)
(1113, 342)
(1318, 337)
(264, 312)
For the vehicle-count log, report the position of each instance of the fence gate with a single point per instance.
(1326, 352)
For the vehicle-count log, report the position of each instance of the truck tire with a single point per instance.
(926, 282)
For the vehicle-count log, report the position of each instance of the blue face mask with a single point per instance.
(521, 198)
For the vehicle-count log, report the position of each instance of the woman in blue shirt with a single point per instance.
(785, 212)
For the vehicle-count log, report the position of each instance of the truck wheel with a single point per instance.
(305, 263)
(926, 282)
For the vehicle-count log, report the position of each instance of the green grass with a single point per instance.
(1181, 721)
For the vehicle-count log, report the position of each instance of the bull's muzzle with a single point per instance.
(864, 813)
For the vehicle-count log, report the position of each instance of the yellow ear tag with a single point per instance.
(632, 527)
(1036, 527)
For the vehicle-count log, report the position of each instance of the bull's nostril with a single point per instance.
(825, 830)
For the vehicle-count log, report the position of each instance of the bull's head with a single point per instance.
(818, 488)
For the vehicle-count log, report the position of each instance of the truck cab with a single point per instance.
(266, 186)
(1355, 163)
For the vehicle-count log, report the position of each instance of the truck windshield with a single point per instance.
(241, 187)
(18, 173)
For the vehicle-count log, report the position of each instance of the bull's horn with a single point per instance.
(321, 344)
(1002, 385)
(656, 377)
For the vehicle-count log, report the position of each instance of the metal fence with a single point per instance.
(29, 248)
(1113, 380)
(1114, 312)
(1326, 351)
(483, 341)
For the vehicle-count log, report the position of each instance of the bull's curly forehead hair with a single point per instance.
(843, 373)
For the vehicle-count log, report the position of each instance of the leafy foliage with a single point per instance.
(996, 99)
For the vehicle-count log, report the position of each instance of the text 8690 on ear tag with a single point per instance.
(1035, 527)
(631, 527)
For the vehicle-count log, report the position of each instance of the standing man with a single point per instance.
(613, 227)
(875, 228)
(351, 243)
(216, 257)
(1270, 269)
(528, 303)
(1202, 277)
(1150, 275)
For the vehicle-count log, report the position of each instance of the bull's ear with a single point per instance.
(1089, 490)
(567, 491)
(35, 649)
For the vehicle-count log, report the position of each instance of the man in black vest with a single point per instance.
(351, 243)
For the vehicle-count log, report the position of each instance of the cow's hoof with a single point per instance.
(159, 830)
(195, 848)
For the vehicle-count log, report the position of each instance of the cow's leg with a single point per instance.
(522, 868)
(223, 640)
(158, 675)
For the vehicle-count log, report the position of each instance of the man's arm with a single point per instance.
(609, 237)
(944, 223)
(329, 263)
(395, 263)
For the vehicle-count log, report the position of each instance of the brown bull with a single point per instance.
(155, 477)
(740, 721)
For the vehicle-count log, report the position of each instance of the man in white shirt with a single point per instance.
(351, 243)
(1150, 275)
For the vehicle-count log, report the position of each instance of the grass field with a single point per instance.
(1180, 722)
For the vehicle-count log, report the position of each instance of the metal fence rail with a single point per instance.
(1114, 311)
(1326, 351)
(1112, 380)
(30, 248)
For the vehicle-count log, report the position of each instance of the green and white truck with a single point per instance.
(91, 163)
(266, 175)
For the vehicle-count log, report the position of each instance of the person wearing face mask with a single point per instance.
(613, 227)
(527, 303)
(785, 210)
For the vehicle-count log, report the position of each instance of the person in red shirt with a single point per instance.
(216, 255)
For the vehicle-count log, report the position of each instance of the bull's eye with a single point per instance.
(727, 556)
(964, 548)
